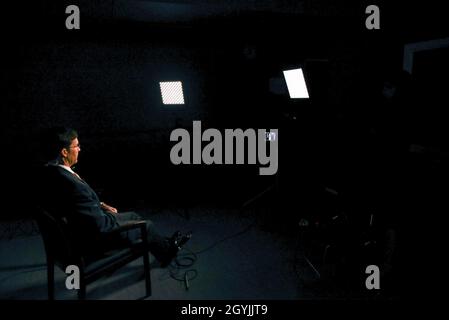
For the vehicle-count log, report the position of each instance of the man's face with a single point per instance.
(71, 153)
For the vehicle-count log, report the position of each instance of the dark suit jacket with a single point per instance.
(65, 195)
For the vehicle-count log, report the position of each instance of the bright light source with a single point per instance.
(172, 92)
(296, 83)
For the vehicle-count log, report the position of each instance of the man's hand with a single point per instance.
(108, 208)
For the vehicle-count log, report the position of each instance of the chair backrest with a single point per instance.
(60, 246)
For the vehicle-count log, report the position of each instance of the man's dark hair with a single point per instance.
(57, 138)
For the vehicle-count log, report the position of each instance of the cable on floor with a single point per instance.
(183, 261)
(227, 238)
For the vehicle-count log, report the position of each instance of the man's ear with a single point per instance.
(64, 152)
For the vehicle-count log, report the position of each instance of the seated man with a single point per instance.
(62, 191)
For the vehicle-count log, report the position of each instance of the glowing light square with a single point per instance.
(172, 92)
(296, 84)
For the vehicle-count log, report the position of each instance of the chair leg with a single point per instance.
(82, 289)
(51, 280)
(146, 266)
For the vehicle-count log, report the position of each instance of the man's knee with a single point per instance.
(150, 227)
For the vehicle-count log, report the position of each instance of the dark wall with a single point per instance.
(108, 90)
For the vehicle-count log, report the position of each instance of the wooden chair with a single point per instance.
(61, 250)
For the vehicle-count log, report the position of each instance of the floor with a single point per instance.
(233, 255)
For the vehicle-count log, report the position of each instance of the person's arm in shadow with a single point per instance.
(89, 211)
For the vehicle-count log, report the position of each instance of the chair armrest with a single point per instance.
(129, 226)
(142, 224)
